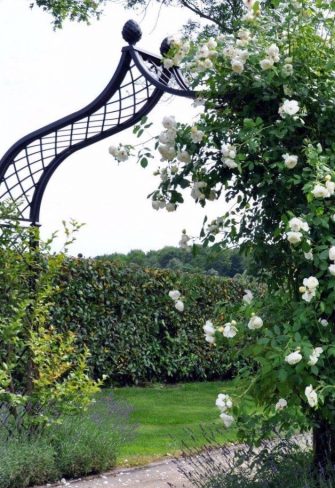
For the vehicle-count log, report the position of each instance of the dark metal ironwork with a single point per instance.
(138, 83)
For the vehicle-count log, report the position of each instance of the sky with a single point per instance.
(46, 75)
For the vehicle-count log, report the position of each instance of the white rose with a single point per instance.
(308, 255)
(223, 402)
(244, 34)
(248, 296)
(294, 237)
(169, 122)
(287, 69)
(210, 339)
(311, 395)
(293, 358)
(314, 357)
(323, 322)
(228, 420)
(255, 323)
(273, 51)
(290, 160)
(184, 157)
(266, 63)
(230, 163)
(168, 63)
(156, 204)
(171, 207)
(289, 107)
(179, 306)
(237, 66)
(208, 328)
(229, 330)
(296, 224)
(196, 135)
(311, 282)
(174, 294)
(320, 191)
(308, 295)
(122, 155)
(112, 150)
(330, 185)
(331, 269)
(167, 152)
(281, 404)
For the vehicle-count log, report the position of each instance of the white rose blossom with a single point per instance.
(311, 396)
(308, 255)
(294, 237)
(281, 404)
(184, 240)
(255, 323)
(179, 305)
(323, 322)
(293, 358)
(314, 356)
(289, 107)
(309, 288)
(169, 122)
(296, 224)
(266, 63)
(332, 253)
(228, 420)
(196, 192)
(290, 160)
(331, 269)
(230, 330)
(320, 191)
(224, 402)
(209, 331)
(174, 294)
(248, 296)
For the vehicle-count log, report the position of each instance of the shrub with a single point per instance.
(82, 444)
(124, 315)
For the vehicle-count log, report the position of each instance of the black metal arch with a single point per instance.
(137, 85)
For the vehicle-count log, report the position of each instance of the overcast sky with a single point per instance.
(46, 75)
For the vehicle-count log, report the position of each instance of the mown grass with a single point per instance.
(164, 415)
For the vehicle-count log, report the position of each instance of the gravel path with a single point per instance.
(155, 475)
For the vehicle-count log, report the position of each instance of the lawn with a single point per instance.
(165, 414)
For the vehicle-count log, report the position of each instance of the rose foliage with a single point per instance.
(265, 143)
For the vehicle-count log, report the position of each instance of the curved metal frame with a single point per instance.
(28, 165)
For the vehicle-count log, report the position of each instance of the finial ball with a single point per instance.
(131, 32)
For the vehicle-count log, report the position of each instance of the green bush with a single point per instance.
(135, 335)
(82, 444)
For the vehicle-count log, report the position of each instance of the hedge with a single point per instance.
(135, 335)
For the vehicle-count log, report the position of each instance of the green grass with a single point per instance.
(164, 414)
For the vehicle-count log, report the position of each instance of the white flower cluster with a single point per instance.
(309, 287)
(196, 192)
(324, 191)
(180, 49)
(331, 253)
(324, 322)
(224, 403)
(204, 54)
(289, 108)
(167, 139)
(175, 295)
(209, 331)
(314, 357)
(255, 322)
(311, 395)
(281, 404)
(229, 155)
(120, 153)
(288, 67)
(290, 160)
(229, 329)
(294, 236)
(196, 134)
(272, 57)
(238, 57)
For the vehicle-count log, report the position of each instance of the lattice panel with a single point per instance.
(140, 80)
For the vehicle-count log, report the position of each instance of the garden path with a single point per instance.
(156, 475)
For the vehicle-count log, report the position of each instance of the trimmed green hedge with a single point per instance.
(128, 321)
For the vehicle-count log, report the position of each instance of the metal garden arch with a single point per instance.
(137, 85)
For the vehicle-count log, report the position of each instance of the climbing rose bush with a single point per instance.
(265, 144)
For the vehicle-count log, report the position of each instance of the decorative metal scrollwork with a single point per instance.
(138, 83)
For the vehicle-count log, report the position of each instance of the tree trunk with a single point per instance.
(323, 446)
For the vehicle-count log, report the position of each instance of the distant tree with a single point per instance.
(75, 10)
